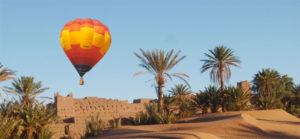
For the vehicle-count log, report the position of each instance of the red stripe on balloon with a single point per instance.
(80, 56)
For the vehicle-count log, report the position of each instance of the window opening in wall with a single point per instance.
(67, 129)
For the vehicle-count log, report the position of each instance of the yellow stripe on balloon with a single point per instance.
(98, 40)
(87, 34)
(74, 37)
(64, 39)
(106, 43)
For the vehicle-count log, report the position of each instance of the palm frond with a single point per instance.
(142, 72)
(180, 77)
(219, 60)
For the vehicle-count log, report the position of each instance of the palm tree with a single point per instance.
(5, 74)
(209, 98)
(219, 61)
(180, 92)
(27, 89)
(183, 100)
(236, 98)
(7, 126)
(159, 63)
(264, 81)
(34, 116)
(297, 93)
(168, 102)
(202, 101)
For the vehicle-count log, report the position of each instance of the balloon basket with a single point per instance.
(81, 82)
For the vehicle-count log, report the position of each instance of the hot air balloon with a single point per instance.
(85, 42)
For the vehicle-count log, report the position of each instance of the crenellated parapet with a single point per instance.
(74, 112)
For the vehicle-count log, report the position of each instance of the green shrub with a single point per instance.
(182, 100)
(236, 99)
(211, 98)
(116, 123)
(201, 101)
(45, 134)
(94, 126)
(7, 126)
(294, 109)
(152, 116)
(272, 101)
(21, 118)
(187, 109)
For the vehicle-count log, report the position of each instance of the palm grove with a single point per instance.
(25, 116)
(270, 90)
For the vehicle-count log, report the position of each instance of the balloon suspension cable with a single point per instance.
(81, 82)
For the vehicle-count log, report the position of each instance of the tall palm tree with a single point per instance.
(27, 89)
(264, 81)
(5, 74)
(219, 61)
(159, 63)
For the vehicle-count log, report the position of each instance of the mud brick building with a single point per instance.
(74, 112)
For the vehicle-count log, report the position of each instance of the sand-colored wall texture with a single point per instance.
(74, 112)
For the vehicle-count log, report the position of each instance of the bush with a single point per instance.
(45, 134)
(211, 98)
(294, 109)
(182, 100)
(95, 126)
(187, 109)
(21, 118)
(116, 123)
(236, 99)
(272, 101)
(152, 116)
(7, 126)
(201, 101)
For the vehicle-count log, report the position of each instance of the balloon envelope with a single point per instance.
(85, 42)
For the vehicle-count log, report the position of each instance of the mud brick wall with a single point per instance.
(245, 85)
(74, 112)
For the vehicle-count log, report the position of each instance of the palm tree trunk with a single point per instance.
(268, 90)
(160, 97)
(222, 88)
(222, 80)
(29, 133)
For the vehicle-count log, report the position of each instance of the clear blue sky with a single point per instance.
(265, 34)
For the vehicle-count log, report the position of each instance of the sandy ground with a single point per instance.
(265, 124)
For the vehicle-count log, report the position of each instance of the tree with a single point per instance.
(209, 98)
(273, 90)
(35, 117)
(7, 126)
(182, 96)
(219, 61)
(264, 80)
(236, 98)
(159, 63)
(180, 92)
(5, 74)
(26, 89)
(169, 102)
(201, 101)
